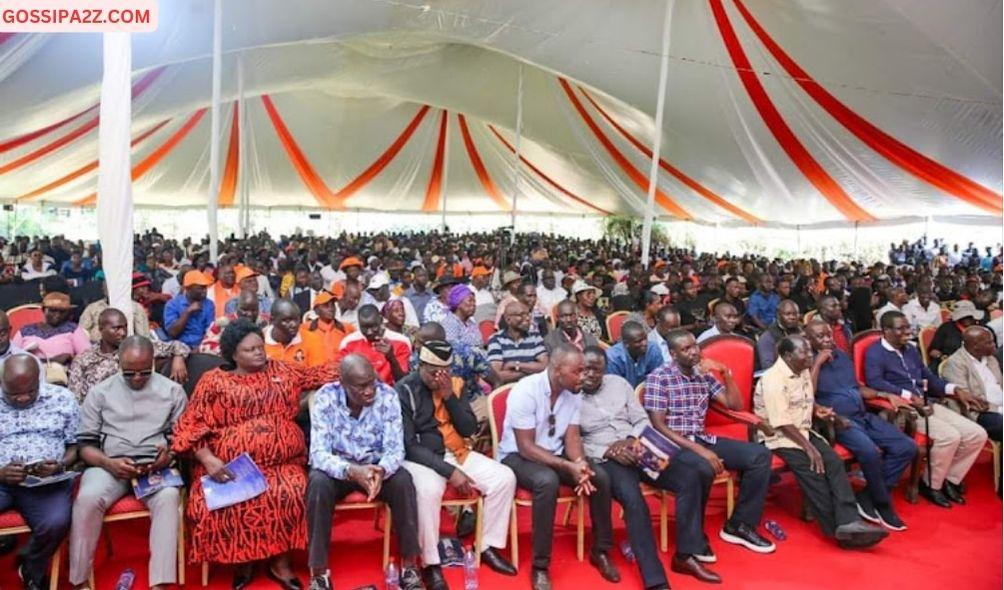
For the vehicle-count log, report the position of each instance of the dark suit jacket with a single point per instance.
(423, 443)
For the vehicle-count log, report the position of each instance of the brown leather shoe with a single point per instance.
(691, 566)
(601, 561)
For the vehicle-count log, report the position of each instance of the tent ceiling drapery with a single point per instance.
(842, 111)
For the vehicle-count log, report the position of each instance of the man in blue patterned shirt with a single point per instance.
(357, 445)
(38, 427)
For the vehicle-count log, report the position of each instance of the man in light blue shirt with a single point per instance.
(541, 443)
(357, 445)
(762, 310)
(667, 319)
(634, 357)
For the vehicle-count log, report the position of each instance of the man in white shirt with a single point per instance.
(897, 302)
(975, 368)
(923, 311)
(172, 285)
(549, 292)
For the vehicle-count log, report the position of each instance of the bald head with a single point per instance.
(110, 315)
(136, 346)
(430, 331)
(20, 380)
(978, 341)
(359, 380)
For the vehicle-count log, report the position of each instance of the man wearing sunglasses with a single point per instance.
(541, 443)
(437, 419)
(125, 433)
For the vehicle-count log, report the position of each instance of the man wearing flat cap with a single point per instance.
(437, 418)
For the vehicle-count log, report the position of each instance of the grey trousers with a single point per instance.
(98, 491)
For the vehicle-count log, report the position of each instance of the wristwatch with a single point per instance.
(517, 367)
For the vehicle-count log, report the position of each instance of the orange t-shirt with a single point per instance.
(304, 352)
(328, 337)
(451, 438)
(221, 295)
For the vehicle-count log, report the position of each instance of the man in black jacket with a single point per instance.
(437, 420)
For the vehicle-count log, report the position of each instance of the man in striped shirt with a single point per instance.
(514, 352)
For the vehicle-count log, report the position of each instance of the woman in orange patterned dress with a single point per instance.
(249, 406)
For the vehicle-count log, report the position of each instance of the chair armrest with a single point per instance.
(741, 417)
(879, 404)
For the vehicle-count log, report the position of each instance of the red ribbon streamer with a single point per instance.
(799, 155)
(676, 172)
(479, 167)
(431, 202)
(633, 173)
(86, 168)
(547, 178)
(155, 156)
(889, 147)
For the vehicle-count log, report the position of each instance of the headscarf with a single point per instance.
(457, 295)
(389, 306)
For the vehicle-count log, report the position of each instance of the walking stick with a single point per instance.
(927, 429)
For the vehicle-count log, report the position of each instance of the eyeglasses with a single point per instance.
(550, 425)
(134, 374)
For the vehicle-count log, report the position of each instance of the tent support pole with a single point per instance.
(214, 132)
(243, 210)
(446, 167)
(660, 106)
(115, 205)
(516, 151)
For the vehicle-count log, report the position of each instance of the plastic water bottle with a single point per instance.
(392, 581)
(775, 530)
(126, 579)
(470, 570)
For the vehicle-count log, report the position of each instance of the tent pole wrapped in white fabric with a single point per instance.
(804, 112)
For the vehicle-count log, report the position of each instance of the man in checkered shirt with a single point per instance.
(677, 395)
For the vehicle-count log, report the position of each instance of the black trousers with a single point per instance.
(544, 482)
(752, 461)
(829, 495)
(323, 492)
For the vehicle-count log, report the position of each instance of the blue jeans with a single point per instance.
(46, 509)
(881, 449)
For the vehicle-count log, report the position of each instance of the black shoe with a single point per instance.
(687, 564)
(889, 519)
(432, 575)
(497, 563)
(411, 579)
(601, 561)
(859, 535)
(866, 509)
(706, 556)
(743, 534)
(243, 574)
(466, 524)
(26, 582)
(321, 582)
(953, 493)
(293, 583)
(540, 579)
(936, 497)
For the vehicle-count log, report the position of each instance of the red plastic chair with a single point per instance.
(924, 339)
(11, 523)
(487, 328)
(497, 403)
(24, 315)
(615, 322)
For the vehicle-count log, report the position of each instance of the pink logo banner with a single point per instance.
(78, 16)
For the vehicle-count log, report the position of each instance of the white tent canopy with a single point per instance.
(808, 112)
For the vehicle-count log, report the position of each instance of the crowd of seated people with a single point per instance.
(362, 366)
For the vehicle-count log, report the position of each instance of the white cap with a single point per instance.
(659, 289)
(378, 280)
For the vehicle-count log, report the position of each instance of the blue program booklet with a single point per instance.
(654, 451)
(249, 482)
(151, 483)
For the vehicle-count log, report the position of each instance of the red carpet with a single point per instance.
(952, 549)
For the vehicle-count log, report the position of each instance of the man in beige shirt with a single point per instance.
(784, 399)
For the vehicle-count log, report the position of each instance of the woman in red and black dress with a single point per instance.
(249, 406)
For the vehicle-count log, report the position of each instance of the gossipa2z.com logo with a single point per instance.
(78, 16)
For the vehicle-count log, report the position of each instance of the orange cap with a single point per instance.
(245, 272)
(338, 289)
(350, 261)
(480, 271)
(196, 277)
(322, 298)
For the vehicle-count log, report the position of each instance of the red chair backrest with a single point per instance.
(925, 337)
(497, 402)
(487, 328)
(615, 322)
(24, 315)
(737, 353)
(859, 345)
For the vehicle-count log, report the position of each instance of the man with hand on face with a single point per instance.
(726, 320)
(188, 315)
(283, 341)
(541, 443)
(38, 427)
(386, 351)
(102, 361)
(126, 423)
(677, 395)
(634, 357)
(437, 418)
(357, 445)
(893, 366)
(611, 418)
(784, 399)
(881, 449)
(788, 322)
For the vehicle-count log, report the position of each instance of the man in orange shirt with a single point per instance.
(283, 341)
(224, 289)
(325, 328)
(387, 351)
